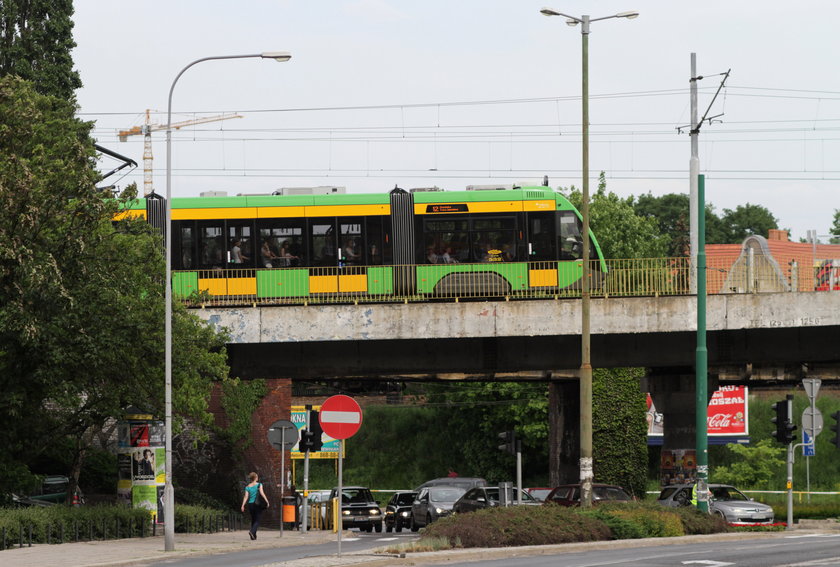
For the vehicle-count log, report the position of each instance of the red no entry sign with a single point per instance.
(340, 417)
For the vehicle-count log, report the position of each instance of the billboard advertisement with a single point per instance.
(727, 418)
(141, 465)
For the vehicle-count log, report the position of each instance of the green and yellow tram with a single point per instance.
(510, 242)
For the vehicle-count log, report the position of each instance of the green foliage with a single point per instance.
(519, 525)
(543, 525)
(240, 400)
(619, 429)
(101, 521)
(198, 519)
(621, 232)
(752, 466)
(835, 228)
(81, 299)
(747, 219)
(37, 38)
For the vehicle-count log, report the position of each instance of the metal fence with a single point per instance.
(502, 281)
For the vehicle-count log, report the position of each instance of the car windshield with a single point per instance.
(667, 492)
(539, 493)
(356, 496)
(727, 493)
(445, 494)
(405, 499)
(609, 493)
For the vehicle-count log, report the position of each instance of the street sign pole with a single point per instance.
(282, 475)
(304, 521)
(340, 418)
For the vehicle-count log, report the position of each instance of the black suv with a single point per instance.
(358, 509)
(398, 511)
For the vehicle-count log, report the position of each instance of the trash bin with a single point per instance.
(289, 511)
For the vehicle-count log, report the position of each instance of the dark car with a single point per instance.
(433, 503)
(358, 509)
(398, 511)
(487, 497)
(465, 482)
(569, 494)
(726, 501)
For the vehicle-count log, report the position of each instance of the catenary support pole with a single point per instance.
(701, 362)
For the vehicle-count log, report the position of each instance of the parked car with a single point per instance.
(433, 503)
(465, 482)
(54, 490)
(726, 501)
(487, 497)
(358, 509)
(398, 511)
(569, 494)
(538, 493)
(317, 502)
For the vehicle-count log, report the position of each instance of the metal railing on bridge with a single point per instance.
(636, 277)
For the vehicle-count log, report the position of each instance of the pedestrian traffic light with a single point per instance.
(784, 425)
(836, 429)
(509, 444)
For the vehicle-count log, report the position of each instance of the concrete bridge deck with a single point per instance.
(534, 335)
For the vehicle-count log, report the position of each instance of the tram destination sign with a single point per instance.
(448, 208)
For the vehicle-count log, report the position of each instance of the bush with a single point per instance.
(519, 525)
(198, 519)
(91, 522)
(542, 525)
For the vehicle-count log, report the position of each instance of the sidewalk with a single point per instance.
(138, 551)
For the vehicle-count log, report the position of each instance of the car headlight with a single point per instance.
(439, 510)
(374, 511)
(405, 514)
(346, 512)
(389, 512)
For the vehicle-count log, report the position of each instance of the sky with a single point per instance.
(384, 93)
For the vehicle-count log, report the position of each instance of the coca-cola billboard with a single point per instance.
(726, 417)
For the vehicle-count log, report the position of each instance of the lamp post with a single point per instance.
(168, 491)
(585, 364)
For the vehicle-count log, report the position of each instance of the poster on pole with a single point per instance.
(330, 447)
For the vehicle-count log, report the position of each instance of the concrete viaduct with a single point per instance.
(528, 339)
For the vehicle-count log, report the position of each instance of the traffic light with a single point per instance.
(836, 429)
(784, 424)
(315, 429)
(509, 445)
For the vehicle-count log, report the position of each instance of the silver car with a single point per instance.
(433, 503)
(726, 501)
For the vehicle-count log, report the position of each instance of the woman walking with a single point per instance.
(253, 491)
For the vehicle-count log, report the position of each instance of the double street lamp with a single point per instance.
(585, 365)
(168, 492)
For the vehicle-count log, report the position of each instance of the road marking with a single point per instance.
(351, 539)
(707, 562)
(387, 539)
(811, 535)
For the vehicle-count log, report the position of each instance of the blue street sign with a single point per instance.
(808, 447)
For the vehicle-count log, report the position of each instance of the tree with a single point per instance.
(36, 37)
(753, 467)
(835, 228)
(746, 220)
(620, 231)
(81, 299)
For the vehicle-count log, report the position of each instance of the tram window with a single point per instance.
(281, 244)
(187, 247)
(352, 250)
(373, 238)
(541, 237)
(569, 242)
(494, 246)
(212, 251)
(446, 242)
(240, 245)
(323, 242)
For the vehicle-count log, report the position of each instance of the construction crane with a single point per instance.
(147, 129)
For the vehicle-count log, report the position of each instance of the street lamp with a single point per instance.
(168, 492)
(585, 363)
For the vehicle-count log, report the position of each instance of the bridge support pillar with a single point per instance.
(563, 432)
(673, 393)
